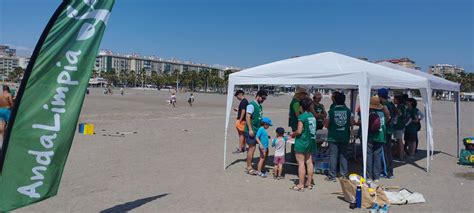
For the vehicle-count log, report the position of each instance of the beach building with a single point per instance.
(404, 62)
(8, 60)
(443, 69)
(108, 61)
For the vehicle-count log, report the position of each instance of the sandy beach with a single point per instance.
(174, 163)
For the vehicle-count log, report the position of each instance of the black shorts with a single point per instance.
(250, 140)
(410, 137)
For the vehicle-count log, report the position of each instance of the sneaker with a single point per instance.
(263, 175)
(236, 152)
(330, 179)
(376, 180)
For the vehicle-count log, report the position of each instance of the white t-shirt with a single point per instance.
(279, 145)
(250, 109)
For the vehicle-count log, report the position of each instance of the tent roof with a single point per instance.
(435, 81)
(327, 69)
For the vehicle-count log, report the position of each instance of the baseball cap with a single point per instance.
(267, 120)
(383, 93)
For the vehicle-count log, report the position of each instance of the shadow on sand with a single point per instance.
(132, 204)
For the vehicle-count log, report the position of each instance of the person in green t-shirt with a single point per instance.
(411, 130)
(339, 124)
(305, 143)
(391, 113)
(399, 125)
(295, 109)
(319, 111)
(333, 100)
(376, 141)
(254, 115)
(294, 112)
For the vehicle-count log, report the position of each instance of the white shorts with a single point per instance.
(398, 134)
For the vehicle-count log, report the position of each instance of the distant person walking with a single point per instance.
(253, 120)
(173, 99)
(240, 122)
(305, 144)
(191, 100)
(121, 91)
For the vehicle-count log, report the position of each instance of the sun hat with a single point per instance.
(267, 121)
(280, 130)
(375, 103)
(383, 92)
(300, 90)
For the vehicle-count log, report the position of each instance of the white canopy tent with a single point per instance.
(436, 83)
(333, 70)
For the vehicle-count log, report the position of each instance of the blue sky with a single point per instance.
(247, 33)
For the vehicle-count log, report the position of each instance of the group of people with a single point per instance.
(399, 120)
(172, 100)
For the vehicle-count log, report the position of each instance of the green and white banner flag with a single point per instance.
(49, 101)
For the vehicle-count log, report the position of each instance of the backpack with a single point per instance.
(374, 123)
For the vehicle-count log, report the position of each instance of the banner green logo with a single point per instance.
(49, 102)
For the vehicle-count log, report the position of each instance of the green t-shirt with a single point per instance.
(306, 141)
(319, 108)
(399, 125)
(293, 119)
(339, 129)
(332, 106)
(256, 117)
(381, 135)
(412, 127)
(393, 114)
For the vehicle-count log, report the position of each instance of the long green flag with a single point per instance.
(49, 102)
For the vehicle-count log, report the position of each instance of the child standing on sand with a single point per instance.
(262, 140)
(279, 144)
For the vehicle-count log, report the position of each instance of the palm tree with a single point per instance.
(123, 77)
(16, 74)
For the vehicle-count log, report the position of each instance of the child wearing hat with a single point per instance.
(262, 140)
(279, 143)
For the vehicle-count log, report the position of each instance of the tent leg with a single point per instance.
(458, 120)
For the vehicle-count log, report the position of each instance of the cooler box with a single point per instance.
(88, 129)
(81, 128)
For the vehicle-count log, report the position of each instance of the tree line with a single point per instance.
(204, 79)
(193, 80)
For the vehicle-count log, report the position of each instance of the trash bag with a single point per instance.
(404, 196)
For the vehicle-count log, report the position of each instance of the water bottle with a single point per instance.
(358, 197)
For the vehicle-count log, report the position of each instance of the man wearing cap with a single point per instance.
(376, 140)
(254, 115)
(390, 112)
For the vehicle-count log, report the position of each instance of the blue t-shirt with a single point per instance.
(263, 137)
